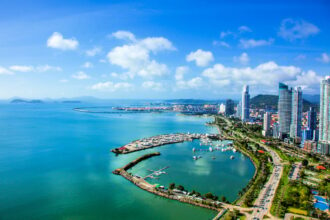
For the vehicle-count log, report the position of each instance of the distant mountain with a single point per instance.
(271, 102)
(194, 101)
(33, 101)
(312, 98)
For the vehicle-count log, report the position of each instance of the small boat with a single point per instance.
(210, 149)
(194, 157)
(234, 150)
(193, 149)
(213, 158)
(232, 157)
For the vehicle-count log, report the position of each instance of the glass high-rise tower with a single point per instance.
(245, 103)
(284, 110)
(296, 113)
(324, 130)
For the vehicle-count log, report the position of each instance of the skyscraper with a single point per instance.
(296, 113)
(324, 130)
(266, 127)
(239, 110)
(245, 103)
(284, 110)
(229, 109)
(311, 123)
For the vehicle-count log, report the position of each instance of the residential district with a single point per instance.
(289, 148)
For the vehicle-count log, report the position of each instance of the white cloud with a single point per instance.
(325, 58)
(41, 68)
(297, 29)
(250, 43)
(17, 68)
(180, 71)
(201, 57)
(152, 85)
(193, 83)
(243, 28)
(124, 35)
(45, 68)
(80, 75)
(136, 56)
(242, 59)
(57, 41)
(153, 69)
(94, 51)
(87, 65)
(266, 75)
(221, 43)
(111, 86)
(4, 71)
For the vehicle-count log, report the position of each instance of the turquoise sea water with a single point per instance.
(55, 164)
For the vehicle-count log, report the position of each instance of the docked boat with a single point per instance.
(232, 157)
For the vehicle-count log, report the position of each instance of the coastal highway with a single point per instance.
(264, 201)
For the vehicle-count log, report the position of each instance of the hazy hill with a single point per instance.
(271, 102)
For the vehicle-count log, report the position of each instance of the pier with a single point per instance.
(161, 140)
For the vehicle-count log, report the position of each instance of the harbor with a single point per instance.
(164, 139)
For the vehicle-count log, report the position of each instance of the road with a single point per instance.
(264, 201)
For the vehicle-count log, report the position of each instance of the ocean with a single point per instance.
(55, 163)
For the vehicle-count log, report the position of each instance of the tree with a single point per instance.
(223, 199)
(179, 187)
(305, 163)
(171, 186)
(209, 195)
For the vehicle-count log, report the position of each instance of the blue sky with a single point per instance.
(161, 49)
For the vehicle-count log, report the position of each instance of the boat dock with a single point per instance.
(156, 173)
(161, 140)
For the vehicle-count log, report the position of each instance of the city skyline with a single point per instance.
(176, 50)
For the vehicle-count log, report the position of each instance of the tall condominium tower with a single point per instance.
(229, 109)
(296, 113)
(239, 110)
(284, 110)
(266, 127)
(245, 103)
(311, 122)
(324, 129)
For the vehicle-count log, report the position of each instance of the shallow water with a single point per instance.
(55, 164)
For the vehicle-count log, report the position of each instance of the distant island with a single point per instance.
(33, 101)
(71, 101)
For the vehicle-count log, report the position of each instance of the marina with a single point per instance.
(164, 139)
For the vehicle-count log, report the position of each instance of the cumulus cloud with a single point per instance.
(41, 68)
(57, 41)
(243, 29)
(250, 43)
(193, 83)
(94, 51)
(325, 58)
(136, 56)
(152, 85)
(4, 71)
(201, 57)
(87, 65)
(80, 75)
(291, 29)
(17, 68)
(180, 71)
(242, 59)
(265, 75)
(111, 86)
(124, 35)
